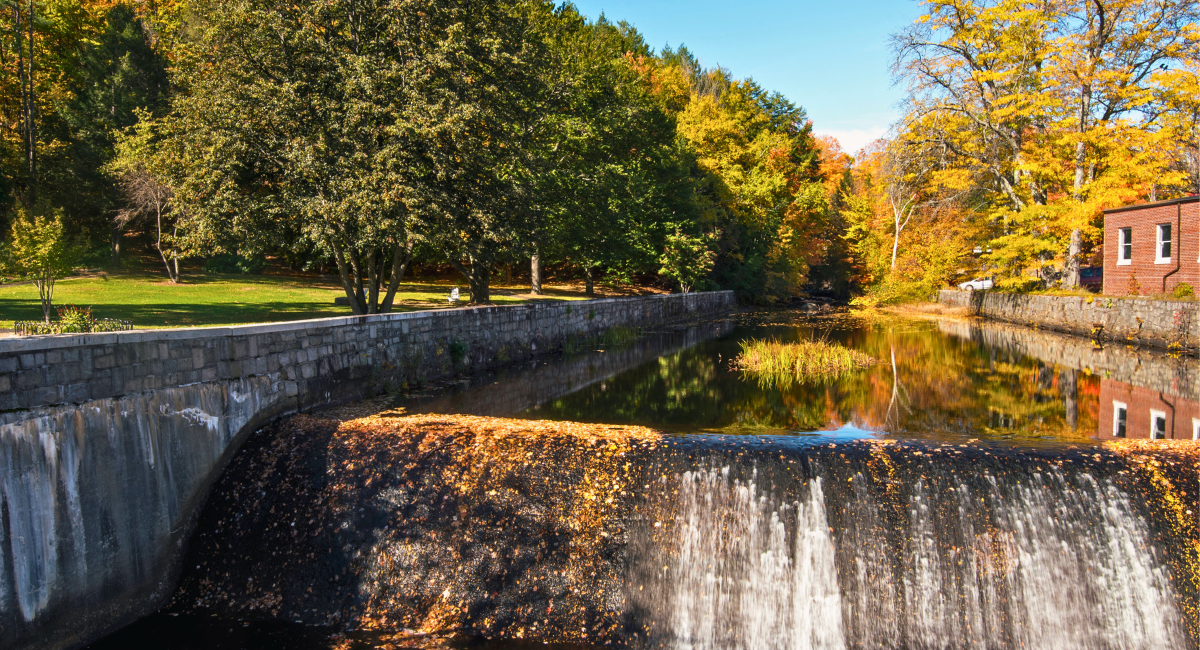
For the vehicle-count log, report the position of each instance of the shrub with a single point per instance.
(236, 264)
(1183, 291)
(75, 319)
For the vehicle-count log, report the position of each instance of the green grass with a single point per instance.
(780, 365)
(150, 301)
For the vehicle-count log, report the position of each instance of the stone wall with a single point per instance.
(1140, 321)
(1144, 368)
(319, 360)
(109, 443)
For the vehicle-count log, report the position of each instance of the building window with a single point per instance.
(1163, 249)
(1125, 246)
(1158, 425)
(1120, 410)
(1195, 428)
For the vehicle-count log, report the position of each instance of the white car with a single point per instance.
(978, 284)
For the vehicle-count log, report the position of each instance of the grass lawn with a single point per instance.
(150, 301)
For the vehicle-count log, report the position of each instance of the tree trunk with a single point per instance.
(896, 243)
(1071, 270)
(535, 275)
(589, 281)
(172, 274)
(25, 79)
(373, 264)
(400, 259)
(45, 288)
(115, 239)
(356, 269)
(478, 279)
(347, 282)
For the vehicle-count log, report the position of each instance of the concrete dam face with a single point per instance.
(615, 535)
(98, 501)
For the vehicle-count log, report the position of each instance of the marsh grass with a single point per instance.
(780, 365)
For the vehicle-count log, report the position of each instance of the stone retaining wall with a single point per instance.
(1159, 323)
(322, 360)
(109, 443)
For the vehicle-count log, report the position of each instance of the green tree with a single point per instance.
(687, 260)
(476, 111)
(294, 131)
(609, 174)
(140, 167)
(118, 74)
(38, 250)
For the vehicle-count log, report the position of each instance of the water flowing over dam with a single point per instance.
(525, 529)
(903, 548)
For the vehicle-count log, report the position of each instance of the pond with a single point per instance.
(945, 381)
(799, 495)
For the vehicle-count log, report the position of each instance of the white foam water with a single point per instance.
(740, 580)
(1033, 560)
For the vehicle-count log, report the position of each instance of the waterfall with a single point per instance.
(759, 551)
(741, 580)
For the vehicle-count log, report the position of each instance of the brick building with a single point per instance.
(1133, 412)
(1156, 243)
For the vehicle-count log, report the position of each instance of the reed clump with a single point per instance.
(779, 365)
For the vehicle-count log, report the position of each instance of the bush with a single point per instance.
(1183, 291)
(96, 257)
(72, 320)
(75, 319)
(236, 264)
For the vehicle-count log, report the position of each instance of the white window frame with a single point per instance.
(1124, 238)
(1195, 428)
(1154, 416)
(1158, 244)
(1120, 408)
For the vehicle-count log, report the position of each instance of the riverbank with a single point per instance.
(1170, 325)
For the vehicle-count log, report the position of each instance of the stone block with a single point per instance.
(77, 393)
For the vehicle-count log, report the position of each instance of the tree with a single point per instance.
(475, 113)
(118, 75)
(607, 164)
(756, 173)
(296, 131)
(1063, 109)
(38, 250)
(687, 260)
(139, 169)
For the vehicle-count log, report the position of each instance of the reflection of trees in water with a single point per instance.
(926, 384)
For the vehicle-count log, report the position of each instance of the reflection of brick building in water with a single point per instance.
(1131, 412)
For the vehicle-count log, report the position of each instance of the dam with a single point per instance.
(965, 491)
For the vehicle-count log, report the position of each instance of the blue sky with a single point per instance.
(830, 57)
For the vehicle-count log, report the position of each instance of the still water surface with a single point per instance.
(949, 381)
